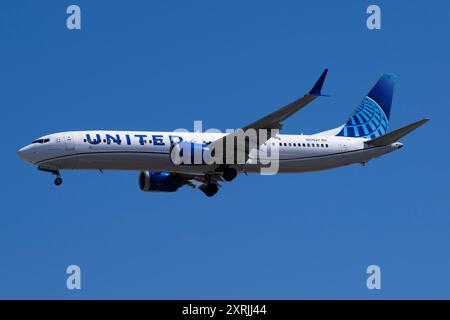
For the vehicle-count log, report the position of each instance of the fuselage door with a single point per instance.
(70, 146)
(344, 146)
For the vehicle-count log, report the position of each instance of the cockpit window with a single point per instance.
(41, 141)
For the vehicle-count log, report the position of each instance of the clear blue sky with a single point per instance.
(148, 65)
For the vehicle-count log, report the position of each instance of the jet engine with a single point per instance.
(159, 181)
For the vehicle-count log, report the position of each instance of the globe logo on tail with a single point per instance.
(367, 121)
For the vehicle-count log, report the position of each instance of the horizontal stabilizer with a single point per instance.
(395, 135)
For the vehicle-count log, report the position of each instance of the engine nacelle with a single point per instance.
(159, 181)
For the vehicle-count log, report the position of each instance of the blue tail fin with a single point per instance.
(371, 118)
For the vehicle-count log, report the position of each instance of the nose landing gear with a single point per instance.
(58, 180)
(55, 171)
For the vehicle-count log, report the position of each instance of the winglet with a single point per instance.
(316, 90)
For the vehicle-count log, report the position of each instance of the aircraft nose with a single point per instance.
(25, 153)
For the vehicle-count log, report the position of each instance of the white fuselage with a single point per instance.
(142, 150)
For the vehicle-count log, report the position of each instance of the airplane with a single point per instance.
(361, 138)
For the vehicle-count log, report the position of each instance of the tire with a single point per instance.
(58, 181)
(229, 174)
(210, 189)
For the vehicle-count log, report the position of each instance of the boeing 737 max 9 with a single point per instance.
(363, 137)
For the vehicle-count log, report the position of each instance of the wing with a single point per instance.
(209, 177)
(275, 119)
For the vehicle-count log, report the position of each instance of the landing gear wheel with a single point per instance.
(209, 189)
(58, 181)
(229, 174)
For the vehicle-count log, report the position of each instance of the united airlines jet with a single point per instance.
(168, 161)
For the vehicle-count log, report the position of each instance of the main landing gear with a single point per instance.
(209, 189)
(229, 174)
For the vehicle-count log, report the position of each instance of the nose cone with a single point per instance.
(25, 154)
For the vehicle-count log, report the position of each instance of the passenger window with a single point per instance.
(326, 145)
(290, 144)
(308, 145)
(285, 144)
(312, 145)
(281, 144)
(322, 145)
(294, 144)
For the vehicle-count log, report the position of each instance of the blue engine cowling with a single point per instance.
(159, 181)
